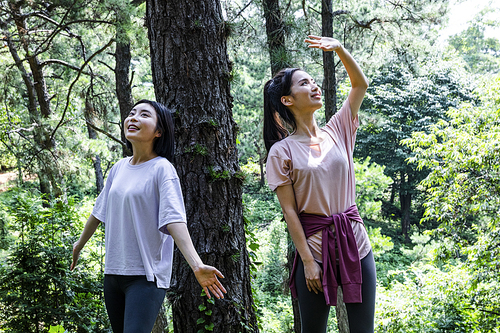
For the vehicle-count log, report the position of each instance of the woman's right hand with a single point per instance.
(314, 276)
(324, 43)
(207, 278)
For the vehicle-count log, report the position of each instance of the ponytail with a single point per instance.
(274, 110)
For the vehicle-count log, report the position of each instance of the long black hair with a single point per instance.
(275, 111)
(163, 145)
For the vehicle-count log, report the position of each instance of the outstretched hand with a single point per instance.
(207, 278)
(324, 43)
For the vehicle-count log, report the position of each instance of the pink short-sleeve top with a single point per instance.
(322, 174)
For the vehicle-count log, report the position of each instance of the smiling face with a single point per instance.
(140, 124)
(305, 95)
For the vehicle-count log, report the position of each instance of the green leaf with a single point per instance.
(254, 246)
(56, 329)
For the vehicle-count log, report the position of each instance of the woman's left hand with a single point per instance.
(324, 43)
(207, 278)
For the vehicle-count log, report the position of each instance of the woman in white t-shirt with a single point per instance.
(312, 172)
(143, 212)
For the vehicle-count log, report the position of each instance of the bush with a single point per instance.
(37, 290)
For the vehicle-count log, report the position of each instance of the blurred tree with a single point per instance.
(481, 53)
(397, 104)
(33, 33)
(464, 185)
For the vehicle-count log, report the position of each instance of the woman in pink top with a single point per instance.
(312, 172)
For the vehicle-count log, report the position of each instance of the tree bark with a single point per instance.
(191, 74)
(275, 30)
(329, 85)
(122, 69)
(161, 323)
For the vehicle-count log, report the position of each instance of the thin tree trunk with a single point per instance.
(341, 312)
(191, 74)
(96, 160)
(122, 68)
(279, 59)
(330, 93)
(289, 265)
(329, 85)
(405, 202)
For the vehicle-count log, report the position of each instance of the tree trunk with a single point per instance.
(341, 312)
(289, 265)
(275, 30)
(330, 93)
(161, 323)
(122, 67)
(405, 201)
(96, 160)
(329, 85)
(191, 74)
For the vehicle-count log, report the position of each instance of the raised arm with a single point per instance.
(359, 82)
(205, 274)
(312, 270)
(88, 231)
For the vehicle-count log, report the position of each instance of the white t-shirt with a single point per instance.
(136, 204)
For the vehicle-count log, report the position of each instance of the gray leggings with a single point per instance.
(314, 311)
(132, 303)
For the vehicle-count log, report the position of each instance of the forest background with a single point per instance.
(427, 155)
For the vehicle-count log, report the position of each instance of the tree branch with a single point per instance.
(106, 133)
(131, 79)
(60, 62)
(74, 82)
(105, 64)
(54, 33)
(340, 12)
(241, 11)
(487, 311)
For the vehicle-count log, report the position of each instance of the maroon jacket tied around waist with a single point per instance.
(349, 265)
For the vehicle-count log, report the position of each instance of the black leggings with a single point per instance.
(132, 303)
(314, 311)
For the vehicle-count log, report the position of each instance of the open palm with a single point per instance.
(324, 43)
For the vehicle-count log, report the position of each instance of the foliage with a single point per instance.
(427, 300)
(371, 185)
(37, 290)
(463, 193)
(462, 154)
(399, 102)
(481, 53)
